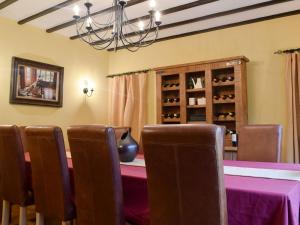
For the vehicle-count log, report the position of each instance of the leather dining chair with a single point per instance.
(23, 137)
(184, 166)
(53, 192)
(261, 143)
(97, 176)
(14, 185)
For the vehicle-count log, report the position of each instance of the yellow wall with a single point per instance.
(80, 62)
(266, 90)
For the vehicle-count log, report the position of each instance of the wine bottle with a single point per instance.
(231, 96)
(224, 79)
(230, 78)
(166, 115)
(232, 114)
(220, 115)
(176, 99)
(176, 84)
(234, 139)
(216, 80)
(224, 97)
(165, 85)
(216, 97)
(225, 114)
(172, 84)
(166, 100)
(176, 115)
(229, 132)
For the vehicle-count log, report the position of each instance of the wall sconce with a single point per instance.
(86, 90)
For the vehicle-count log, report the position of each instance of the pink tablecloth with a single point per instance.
(251, 201)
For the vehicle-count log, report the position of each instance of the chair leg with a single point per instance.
(5, 212)
(39, 219)
(22, 219)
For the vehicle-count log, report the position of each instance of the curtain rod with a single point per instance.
(286, 51)
(126, 73)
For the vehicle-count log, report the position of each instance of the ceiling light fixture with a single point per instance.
(117, 30)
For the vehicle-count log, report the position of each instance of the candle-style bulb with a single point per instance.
(157, 16)
(152, 4)
(76, 10)
(141, 25)
(89, 22)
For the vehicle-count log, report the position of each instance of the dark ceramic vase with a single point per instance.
(128, 148)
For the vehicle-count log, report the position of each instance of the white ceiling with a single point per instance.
(24, 8)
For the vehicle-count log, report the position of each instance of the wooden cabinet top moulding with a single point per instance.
(189, 66)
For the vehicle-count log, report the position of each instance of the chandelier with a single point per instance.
(117, 30)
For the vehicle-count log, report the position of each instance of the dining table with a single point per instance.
(251, 199)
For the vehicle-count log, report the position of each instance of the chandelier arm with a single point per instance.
(102, 43)
(102, 39)
(134, 27)
(78, 33)
(150, 42)
(145, 35)
(129, 45)
(146, 43)
(102, 48)
(101, 25)
(142, 38)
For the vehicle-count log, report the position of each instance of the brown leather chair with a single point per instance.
(97, 175)
(23, 137)
(14, 185)
(50, 174)
(261, 143)
(185, 174)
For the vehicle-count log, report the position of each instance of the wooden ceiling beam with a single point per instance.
(6, 3)
(107, 10)
(265, 18)
(164, 12)
(47, 11)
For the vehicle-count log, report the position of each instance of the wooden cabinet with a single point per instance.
(212, 91)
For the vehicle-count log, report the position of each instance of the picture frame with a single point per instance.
(36, 83)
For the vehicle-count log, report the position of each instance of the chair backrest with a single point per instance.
(97, 175)
(185, 174)
(260, 143)
(23, 137)
(50, 174)
(14, 186)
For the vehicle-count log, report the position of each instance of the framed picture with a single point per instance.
(36, 83)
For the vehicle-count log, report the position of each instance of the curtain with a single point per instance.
(293, 107)
(128, 102)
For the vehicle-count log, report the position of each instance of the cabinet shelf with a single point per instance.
(195, 90)
(174, 120)
(195, 106)
(221, 84)
(171, 104)
(171, 89)
(224, 120)
(224, 101)
(230, 149)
